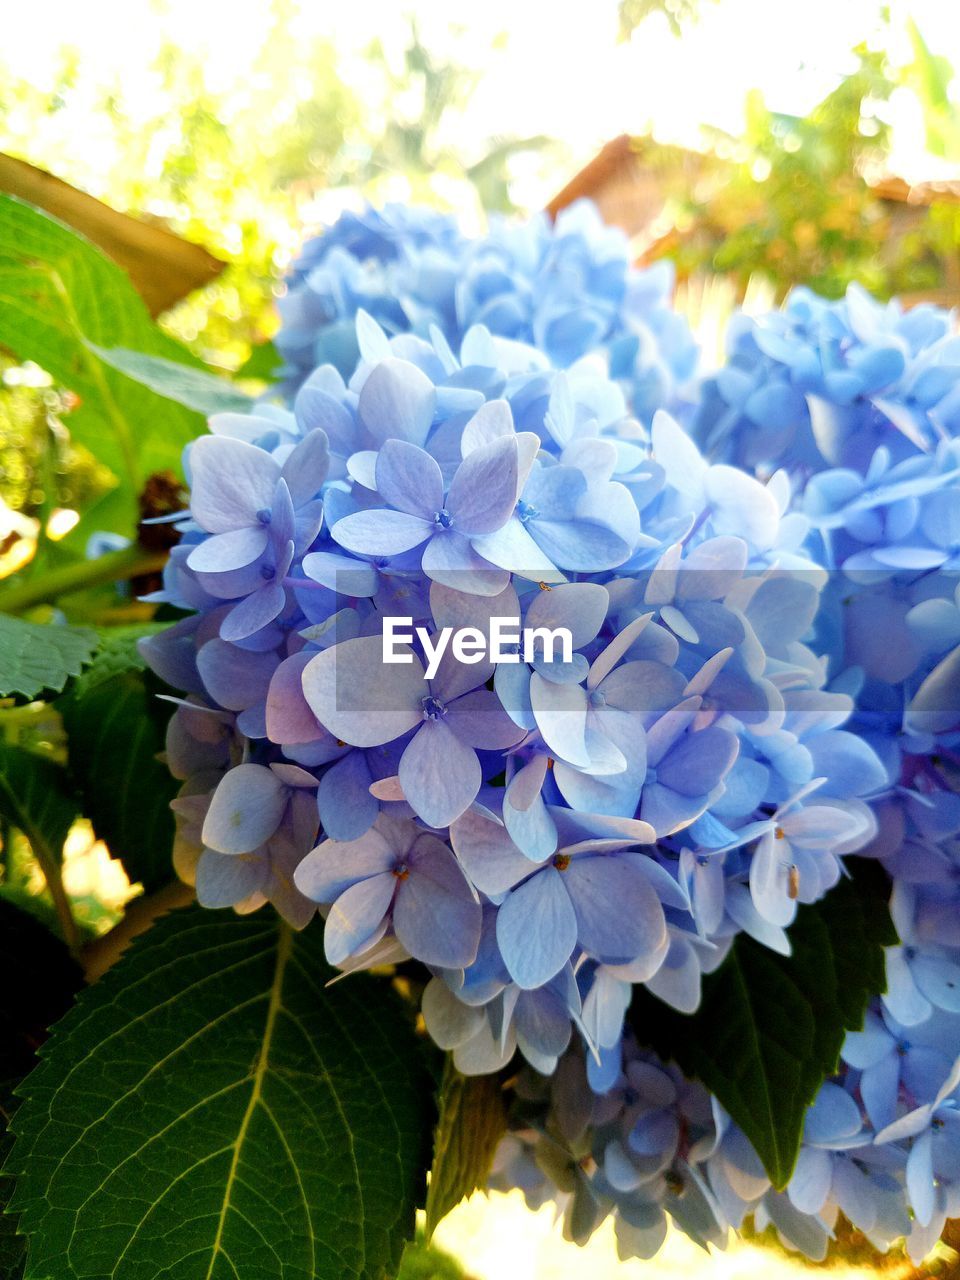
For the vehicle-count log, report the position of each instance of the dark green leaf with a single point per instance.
(769, 1028)
(212, 1109)
(34, 658)
(472, 1121)
(58, 293)
(27, 1008)
(196, 389)
(115, 725)
(36, 797)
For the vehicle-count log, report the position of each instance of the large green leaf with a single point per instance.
(197, 389)
(27, 1008)
(472, 1121)
(34, 658)
(58, 294)
(769, 1028)
(212, 1109)
(115, 725)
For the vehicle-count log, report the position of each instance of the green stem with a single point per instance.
(61, 901)
(115, 566)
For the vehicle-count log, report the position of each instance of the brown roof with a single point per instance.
(163, 267)
(620, 157)
(924, 193)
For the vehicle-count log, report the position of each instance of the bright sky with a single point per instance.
(561, 72)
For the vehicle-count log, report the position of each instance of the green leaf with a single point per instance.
(36, 797)
(195, 388)
(212, 1109)
(59, 294)
(115, 727)
(262, 363)
(769, 1028)
(34, 658)
(26, 1010)
(472, 1121)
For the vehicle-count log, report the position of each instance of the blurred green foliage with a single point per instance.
(677, 12)
(422, 1261)
(240, 167)
(793, 201)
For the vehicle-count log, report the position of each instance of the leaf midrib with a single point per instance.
(284, 943)
(755, 1033)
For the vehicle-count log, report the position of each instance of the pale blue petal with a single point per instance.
(619, 917)
(436, 915)
(361, 699)
(537, 929)
(224, 880)
(397, 402)
(561, 715)
(488, 855)
(449, 559)
(306, 468)
(346, 807)
(483, 494)
(226, 551)
(230, 482)
(439, 774)
(381, 532)
(356, 917)
(409, 479)
(247, 807)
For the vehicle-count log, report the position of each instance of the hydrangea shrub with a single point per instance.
(689, 893)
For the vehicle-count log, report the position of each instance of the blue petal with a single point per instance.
(537, 929)
(488, 855)
(436, 915)
(356, 917)
(361, 699)
(230, 482)
(619, 917)
(246, 809)
(381, 532)
(397, 402)
(226, 551)
(409, 479)
(448, 558)
(347, 809)
(483, 494)
(439, 774)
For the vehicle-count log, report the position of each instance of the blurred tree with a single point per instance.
(677, 12)
(930, 78)
(792, 201)
(239, 167)
(420, 139)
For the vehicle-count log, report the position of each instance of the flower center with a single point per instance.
(264, 516)
(268, 572)
(401, 870)
(526, 511)
(433, 708)
(443, 519)
(562, 861)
